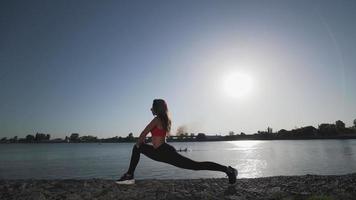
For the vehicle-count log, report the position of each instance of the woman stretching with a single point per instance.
(163, 152)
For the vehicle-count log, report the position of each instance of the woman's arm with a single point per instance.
(148, 128)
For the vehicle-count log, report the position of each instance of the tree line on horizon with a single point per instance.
(338, 130)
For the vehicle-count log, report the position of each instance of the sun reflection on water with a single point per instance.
(250, 163)
(251, 168)
(246, 145)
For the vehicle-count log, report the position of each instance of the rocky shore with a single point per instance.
(310, 187)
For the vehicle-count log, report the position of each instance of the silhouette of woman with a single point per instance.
(162, 151)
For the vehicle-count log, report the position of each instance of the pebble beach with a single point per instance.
(310, 187)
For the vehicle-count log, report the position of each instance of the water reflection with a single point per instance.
(245, 145)
(347, 149)
(251, 168)
(255, 158)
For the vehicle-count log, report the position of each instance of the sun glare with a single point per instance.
(238, 84)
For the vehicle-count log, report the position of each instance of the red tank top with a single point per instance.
(158, 132)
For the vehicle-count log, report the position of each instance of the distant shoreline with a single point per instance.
(308, 187)
(206, 140)
(324, 131)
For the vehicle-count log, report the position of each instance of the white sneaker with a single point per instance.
(126, 179)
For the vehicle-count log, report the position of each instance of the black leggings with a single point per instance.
(168, 154)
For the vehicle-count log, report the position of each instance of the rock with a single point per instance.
(235, 198)
(73, 197)
(35, 196)
(274, 190)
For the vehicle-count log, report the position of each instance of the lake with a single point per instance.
(253, 158)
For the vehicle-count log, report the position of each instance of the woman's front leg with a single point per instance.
(135, 157)
(147, 150)
(151, 152)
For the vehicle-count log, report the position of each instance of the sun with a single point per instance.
(238, 84)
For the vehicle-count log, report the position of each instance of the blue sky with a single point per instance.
(94, 67)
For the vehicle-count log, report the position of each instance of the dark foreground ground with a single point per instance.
(311, 187)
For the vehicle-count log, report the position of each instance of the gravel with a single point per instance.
(277, 187)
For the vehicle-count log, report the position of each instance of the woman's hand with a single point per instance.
(147, 129)
(139, 142)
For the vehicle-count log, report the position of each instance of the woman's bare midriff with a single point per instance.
(157, 141)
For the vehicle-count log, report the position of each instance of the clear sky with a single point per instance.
(94, 67)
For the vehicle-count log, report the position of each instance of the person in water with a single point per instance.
(163, 152)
